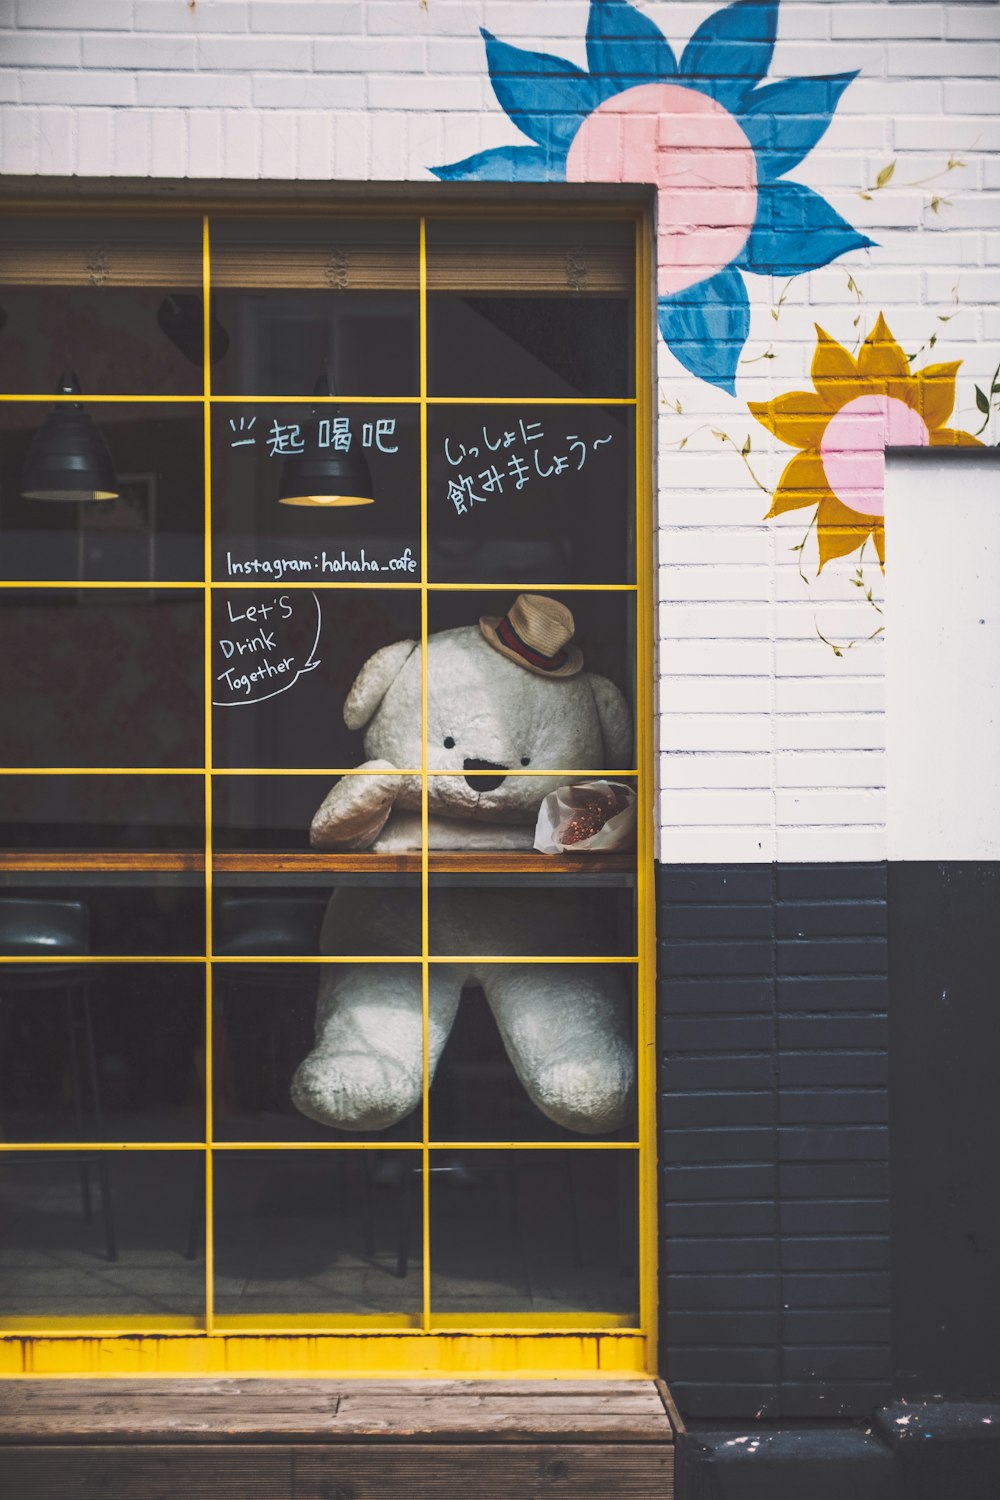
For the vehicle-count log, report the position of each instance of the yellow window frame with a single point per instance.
(506, 1344)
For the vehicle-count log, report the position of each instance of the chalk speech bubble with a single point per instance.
(257, 658)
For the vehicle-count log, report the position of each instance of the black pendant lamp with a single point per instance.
(325, 476)
(68, 458)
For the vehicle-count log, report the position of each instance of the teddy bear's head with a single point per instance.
(488, 713)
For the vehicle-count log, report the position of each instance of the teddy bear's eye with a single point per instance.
(449, 743)
(526, 760)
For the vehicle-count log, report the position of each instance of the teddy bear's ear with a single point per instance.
(374, 681)
(616, 723)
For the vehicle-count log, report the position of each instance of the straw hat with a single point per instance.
(535, 632)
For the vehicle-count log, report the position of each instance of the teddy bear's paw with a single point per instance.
(354, 1090)
(586, 1094)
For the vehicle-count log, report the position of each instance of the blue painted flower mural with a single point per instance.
(715, 142)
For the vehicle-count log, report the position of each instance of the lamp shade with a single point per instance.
(68, 458)
(324, 476)
(326, 479)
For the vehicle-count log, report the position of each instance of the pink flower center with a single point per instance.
(854, 444)
(702, 164)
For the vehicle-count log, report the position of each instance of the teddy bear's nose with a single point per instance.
(484, 783)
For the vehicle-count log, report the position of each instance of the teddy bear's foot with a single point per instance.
(565, 1030)
(586, 1094)
(355, 1091)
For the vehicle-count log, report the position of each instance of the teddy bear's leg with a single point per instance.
(565, 1028)
(366, 1069)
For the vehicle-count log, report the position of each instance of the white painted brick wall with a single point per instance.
(770, 745)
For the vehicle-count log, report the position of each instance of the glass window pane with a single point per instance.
(530, 309)
(96, 815)
(102, 678)
(284, 663)
(326, 954)
(537, 1052)
(102, 1235)
(120, 857)
(540, 1232)
(295, 1062)
(99, 1052)
(552, 914)
(531, 494)
(318, 1238)
(126, 911)
(260, 814)
(292, 915)
(118, 300)
(298, 298)
(153, 527)
(280, 475)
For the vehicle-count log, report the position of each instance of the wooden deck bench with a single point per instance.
(266, 1439)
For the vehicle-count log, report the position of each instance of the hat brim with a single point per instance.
(574, 656)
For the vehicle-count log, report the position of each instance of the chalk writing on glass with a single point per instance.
(519, 454)
(258, 654)
(285, 437)
(335, 433)
(361, 561)
(338, 433)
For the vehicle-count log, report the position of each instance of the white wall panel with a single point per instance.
(943, 655)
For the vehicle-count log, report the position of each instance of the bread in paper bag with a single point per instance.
(589, 817)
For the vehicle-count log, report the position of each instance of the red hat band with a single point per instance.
(510, 638)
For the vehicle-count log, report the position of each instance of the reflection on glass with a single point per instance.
(531, 494)
(274, 922)
(295, 298)
(537, 1052)
(318, 1235)
(152, 529)
(102, 679)
(257, 538)
(95, 813)
(539, 309)
(546, 915)
(122, 298)
(95, 1052)
(139, 911)
(285, 661)
(289, 1058)
(538, 1232)
(101, 1235)
(254, 814)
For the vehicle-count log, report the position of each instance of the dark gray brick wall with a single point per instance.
(774, 1150)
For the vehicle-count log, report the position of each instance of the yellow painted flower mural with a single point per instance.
(860, 406)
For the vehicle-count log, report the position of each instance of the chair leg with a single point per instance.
(93, 1075)
(103, 1169)
(86, 1198)
(196, 1218)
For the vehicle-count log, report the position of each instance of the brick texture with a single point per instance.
(774, 1114)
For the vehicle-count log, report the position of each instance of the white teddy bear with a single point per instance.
(504, 695)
